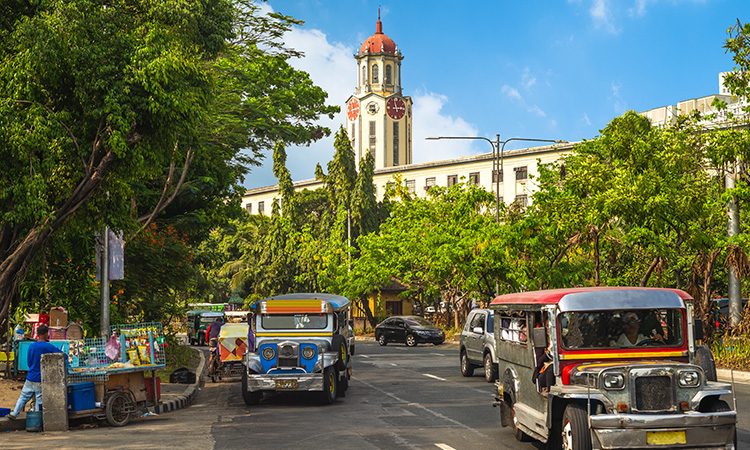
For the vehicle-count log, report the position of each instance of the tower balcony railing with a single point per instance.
(379, 87)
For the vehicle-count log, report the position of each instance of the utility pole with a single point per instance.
(105, 283)
(733, 229)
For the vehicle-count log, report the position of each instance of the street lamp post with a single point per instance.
(498, 153)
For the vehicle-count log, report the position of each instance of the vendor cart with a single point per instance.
(115, 389)
(232, 346)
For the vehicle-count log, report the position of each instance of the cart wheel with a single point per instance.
(117, 409)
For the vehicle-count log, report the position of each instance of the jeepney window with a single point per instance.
(294, 321)
(513, 328)
(622, 328)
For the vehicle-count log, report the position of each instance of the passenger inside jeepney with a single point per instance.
(621, 328)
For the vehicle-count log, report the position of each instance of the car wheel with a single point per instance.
(575, 429)
(517, 432)
(250, 398)
(381, 340)
(411, 341)
(490, 369)
(467, 369)
(330, 386)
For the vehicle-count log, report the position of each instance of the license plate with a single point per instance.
(286, 384)
(665, 437)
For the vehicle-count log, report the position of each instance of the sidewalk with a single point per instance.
(173, 397)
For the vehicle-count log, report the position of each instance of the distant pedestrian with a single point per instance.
(250, 333)
(33, 385)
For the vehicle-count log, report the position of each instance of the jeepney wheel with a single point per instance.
(117, 409)
(381, 340)
(467, 368)
(250, 398)
(575, 430)
(716, 405)
(330, 386)
(411, 341)
(339, 344)
(705, 360)
(517, 432)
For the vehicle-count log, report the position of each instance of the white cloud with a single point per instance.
(585, 119)
(513, 94)
(430, 121)
(601, 14)
(619, 105)
(527, 79)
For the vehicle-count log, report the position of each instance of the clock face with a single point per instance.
(352, 110)
(395, 108)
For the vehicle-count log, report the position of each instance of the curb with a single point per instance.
(186, 399)
(728, 375)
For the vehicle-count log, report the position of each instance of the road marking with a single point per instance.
(364, 356)
(438, 354)
(424, 408)
(444, 446)
(433, 376)
(394, 365)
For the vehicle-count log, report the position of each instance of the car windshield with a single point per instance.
(622, 328)
(417, 321)
(295, 321)
(208, 320)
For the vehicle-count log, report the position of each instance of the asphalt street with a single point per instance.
(399, 398)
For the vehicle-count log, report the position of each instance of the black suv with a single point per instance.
(411, 330)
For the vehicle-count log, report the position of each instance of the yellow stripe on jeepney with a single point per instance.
(623, 355)
(293, 306)
(266, 334)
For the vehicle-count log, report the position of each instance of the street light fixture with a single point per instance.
(498, 153)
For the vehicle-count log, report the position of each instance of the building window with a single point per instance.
(249, 208)
(364, 74)
(375, 74)
(429, 182)
(372, 137)
(522, 173)
(411, 186)
(388, 74)
(522, 200)
(474, 178)
(395, 143)
(351, 137)
(393, 308)
(497, 176)
(452, 179)
(261, 208)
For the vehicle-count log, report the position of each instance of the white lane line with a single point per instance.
(394, 365)
(365, 356)
(434, 376)
(444, 446)
(439, 354)
(422, 407)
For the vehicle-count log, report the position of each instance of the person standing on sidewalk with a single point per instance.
(33, 385)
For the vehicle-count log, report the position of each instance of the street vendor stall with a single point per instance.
(106, 377)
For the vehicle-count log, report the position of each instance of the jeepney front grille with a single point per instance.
(653, 393)
(288, 355)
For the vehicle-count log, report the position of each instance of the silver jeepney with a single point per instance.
(605, 393)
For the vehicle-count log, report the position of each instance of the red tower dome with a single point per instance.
(378, 42)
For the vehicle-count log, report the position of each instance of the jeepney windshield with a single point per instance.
(622, 328)
(294, 321)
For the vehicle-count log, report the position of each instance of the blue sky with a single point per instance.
(555, 69)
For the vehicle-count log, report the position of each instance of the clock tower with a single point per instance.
(378, 115)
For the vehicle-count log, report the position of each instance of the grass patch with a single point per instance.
(178, 356)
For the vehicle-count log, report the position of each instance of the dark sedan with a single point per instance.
(411, 330)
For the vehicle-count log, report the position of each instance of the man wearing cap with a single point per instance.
(631, 336)
(33, 385)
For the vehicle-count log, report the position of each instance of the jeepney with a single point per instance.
(198, 322)
(303, 342)
(605, 368)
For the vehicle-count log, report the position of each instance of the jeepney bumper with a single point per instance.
(286, 382)
(692, 430)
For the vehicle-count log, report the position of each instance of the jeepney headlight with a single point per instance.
(689, 378)
(308, 352)
(268, 353)
(613, 381)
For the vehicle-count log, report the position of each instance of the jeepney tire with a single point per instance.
(517, 432)
(339, 344)
(716, 405)
(467, 368)
(115, 410)
(381, 340)
(250, 398)
(705, 360)
(411, 341)
(490, 369)
(575, 429)
(330, 386)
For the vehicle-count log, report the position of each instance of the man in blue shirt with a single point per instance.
(33, 385)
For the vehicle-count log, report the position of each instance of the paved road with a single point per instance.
(399, 398)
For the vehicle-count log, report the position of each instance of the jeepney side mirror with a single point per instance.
(539, 334)
(698, 330)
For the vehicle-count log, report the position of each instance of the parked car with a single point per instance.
(411, 330)
(477, 344)
(609, 367)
